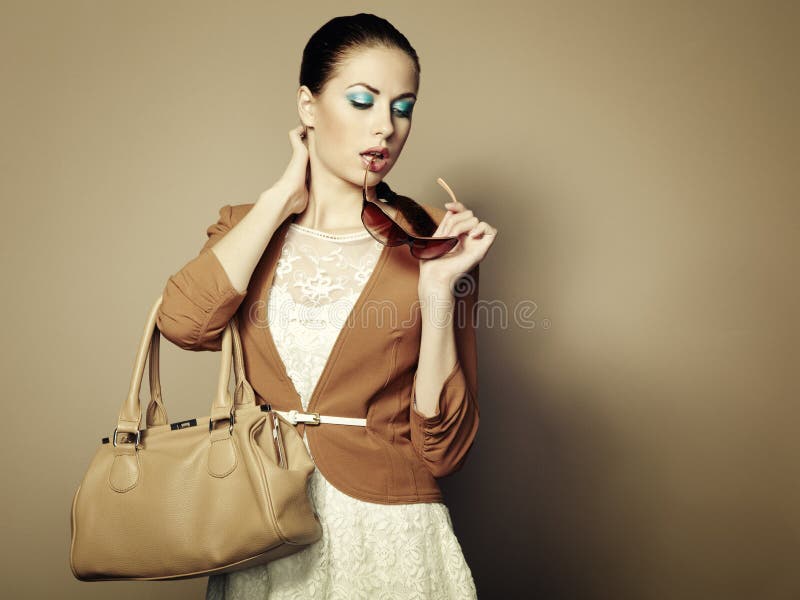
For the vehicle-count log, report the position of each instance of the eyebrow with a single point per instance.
(376, 91)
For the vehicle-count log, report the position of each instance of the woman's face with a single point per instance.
(367, 103)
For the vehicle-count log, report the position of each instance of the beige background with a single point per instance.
(640, 160)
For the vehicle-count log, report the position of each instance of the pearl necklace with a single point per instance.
(339, 237)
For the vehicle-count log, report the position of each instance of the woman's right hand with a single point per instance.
(294, 181)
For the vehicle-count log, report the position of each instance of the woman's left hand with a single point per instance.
(475, 239)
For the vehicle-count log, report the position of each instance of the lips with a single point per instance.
(373, 164)
(378, 151)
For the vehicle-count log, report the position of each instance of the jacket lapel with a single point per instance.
(393, 278)
(262, 361)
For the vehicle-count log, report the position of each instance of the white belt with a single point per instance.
(295, 417)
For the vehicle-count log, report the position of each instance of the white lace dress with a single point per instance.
(367, 550)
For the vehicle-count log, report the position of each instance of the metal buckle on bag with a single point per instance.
(230, 426)
(135, 444)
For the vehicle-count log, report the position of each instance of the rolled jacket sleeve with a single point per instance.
(199, 300)
(444, 439)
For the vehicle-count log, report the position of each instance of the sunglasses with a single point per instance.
(384, 229)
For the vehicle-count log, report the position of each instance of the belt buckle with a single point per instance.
(293, 414)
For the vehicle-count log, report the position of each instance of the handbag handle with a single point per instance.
(156, 413)
(129, 420)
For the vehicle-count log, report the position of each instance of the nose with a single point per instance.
(384, 126)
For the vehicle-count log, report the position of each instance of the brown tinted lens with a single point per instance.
(381, 226)
(427, 249)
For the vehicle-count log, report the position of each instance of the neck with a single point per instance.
(334, 205)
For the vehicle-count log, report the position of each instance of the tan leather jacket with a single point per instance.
(371, 371)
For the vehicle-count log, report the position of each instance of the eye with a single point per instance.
(360, 101)
(364, 101)
(404, 109)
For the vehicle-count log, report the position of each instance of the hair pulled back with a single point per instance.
(330, 45)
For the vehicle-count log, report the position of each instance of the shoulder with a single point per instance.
(238, 211)
(230, 215)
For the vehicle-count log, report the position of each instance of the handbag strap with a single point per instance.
(129, 420)
(156, 411)
(243, 394)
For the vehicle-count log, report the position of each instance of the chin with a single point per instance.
(373, 179)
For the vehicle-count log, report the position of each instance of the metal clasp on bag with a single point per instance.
(230, 426)
(135, 444)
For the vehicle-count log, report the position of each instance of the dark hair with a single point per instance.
(329, 45)
(328, 48)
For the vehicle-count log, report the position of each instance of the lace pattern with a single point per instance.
(367, 550)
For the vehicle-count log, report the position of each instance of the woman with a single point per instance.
(386, 530)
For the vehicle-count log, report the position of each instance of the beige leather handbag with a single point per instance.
(190, 499)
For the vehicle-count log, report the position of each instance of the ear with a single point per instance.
(305, 106)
